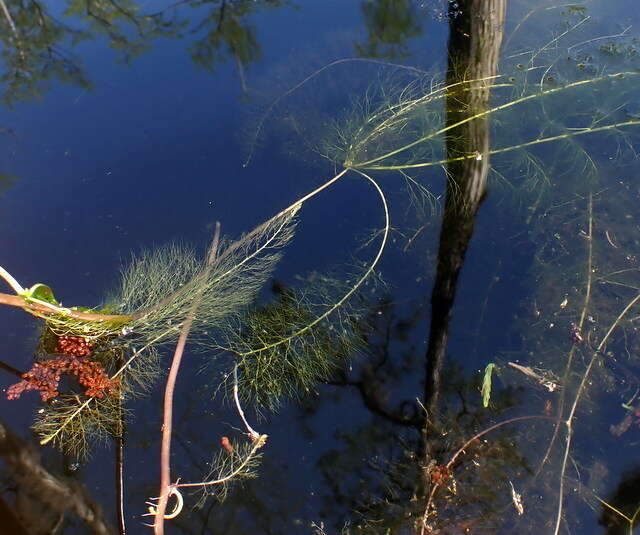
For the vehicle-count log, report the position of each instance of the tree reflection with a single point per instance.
(474, 50)
(388, 491)
(390, 24)
(32, 51)
(128, 31)
(411, 463)
(33, 42)
(228, 33)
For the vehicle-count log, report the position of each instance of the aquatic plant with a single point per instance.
(590, 322)
(282, 350)
(548, 160)
(165, 297)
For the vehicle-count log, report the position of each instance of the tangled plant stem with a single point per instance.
(448, 468)
(368, 164)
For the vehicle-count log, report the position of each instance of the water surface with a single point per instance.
(126, 126)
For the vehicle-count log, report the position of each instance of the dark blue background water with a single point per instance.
(153, 151)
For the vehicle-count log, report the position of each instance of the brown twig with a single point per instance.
(166, 489)
(119, 472)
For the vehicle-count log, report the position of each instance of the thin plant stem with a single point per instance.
(531, 13)
(352, 290)
(368, 164)
(631, 520)
(119, 468)
(122, 529)
(252, 432)
(167, 421)
(257, 444)
(558, 37)
(257, 439)
(567, 135)
(406, 107)
(293, 206)
(580, 324)
(574, 406)
(293, 89)
(10, 369)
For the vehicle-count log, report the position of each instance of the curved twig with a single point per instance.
(351, 291)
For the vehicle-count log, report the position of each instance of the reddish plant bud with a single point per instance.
(226, 444)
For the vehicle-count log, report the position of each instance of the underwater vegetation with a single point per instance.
(541, 110)
(563, 163)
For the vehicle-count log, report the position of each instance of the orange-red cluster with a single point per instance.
(90, 374)
(440, 475)
(40, 377)
(75, 346)
(45, 376)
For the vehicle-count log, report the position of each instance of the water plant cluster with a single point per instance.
(543, 112)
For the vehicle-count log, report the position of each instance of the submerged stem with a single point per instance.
(583, 315)
(574, 406)
(252, 432)
(352, 290)
(167, 422)
(567, 135)
(368, 163)
(291, 90)
(119, 472)
(461, 450)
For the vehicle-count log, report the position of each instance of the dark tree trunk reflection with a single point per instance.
(474, 50)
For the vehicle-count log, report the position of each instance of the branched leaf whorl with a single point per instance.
(282, 356)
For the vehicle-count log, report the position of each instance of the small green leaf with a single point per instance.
(486, 384)
(41, 292)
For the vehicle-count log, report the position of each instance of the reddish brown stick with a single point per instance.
(37, 308)
(167, 421)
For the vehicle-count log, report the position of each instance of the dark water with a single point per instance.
(126, 126)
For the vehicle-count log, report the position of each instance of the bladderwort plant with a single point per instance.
(169, 296)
